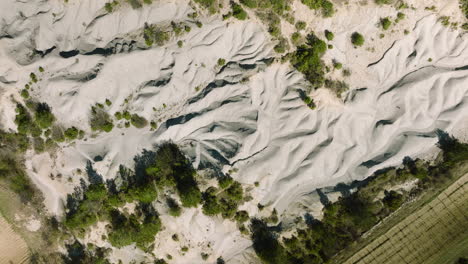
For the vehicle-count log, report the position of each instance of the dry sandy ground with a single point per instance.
(13, 249)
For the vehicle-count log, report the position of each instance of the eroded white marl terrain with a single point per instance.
(246, 114)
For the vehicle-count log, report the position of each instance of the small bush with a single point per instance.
(249, 3)
(174, 208)
(100, 120)
(329, 35)
(383, 2)
(225, 181)
(296, 38)
(43, 115)
(357, 39)
(138, 121)
(135, 4)
(325, 6)
(385, 23)
(238, 12)
(221, 62)
(300, 25)
(33, 77)
(73, 133)
(337, 65)
(25, 94)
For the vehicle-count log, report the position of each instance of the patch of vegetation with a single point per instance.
(25, 123)
(138, 121)
(464, 7)
(43, 115)
(141, 230)
(172, 169)
(338, 87)
(73, 133)
(12, 148)
(221, 62)
(325, 6)
(135, 4)
(357, 39)
(307, 60)
(281, 46)
(385, 23)
(238, 12)
(174, 207)
(109, 6)
(24, 93)
(337, 65)
(383, 2)
(329, 35)
(100, 120)
(153, 34)
(211, 5)
(400, 16)
(224, 201)
(300, 25)
(296, 38)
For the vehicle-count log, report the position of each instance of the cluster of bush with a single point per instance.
(345, 220)
(307, 59)
(325, 6)
(153, 34)
(165, 168)
(12, 148)
(224, 200)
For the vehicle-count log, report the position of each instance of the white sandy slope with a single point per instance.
(246, 114)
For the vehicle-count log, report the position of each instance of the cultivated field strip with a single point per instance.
(422, 236)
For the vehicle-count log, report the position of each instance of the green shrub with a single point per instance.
(307, 60)
(383, 2)
(282, 45)
(296, 38)
(300, 25)
(337, 65)
(238, 12)
(464, 7)
(249, 3)
(153, 34)
(393, 200)
(400, 16)
(211, 206)
(41, 69)
(73, 133)
(33, 77)
(385, 23)
(43, 115)
(357, 39)
(221, 62)
(325, 6)
(180, 43)
(225, 181)
(174, 208)
(24, 122)
(241, 216)
(138, 121)
(100, 120)
(25, 94)
(135, 4)
(329, 35)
